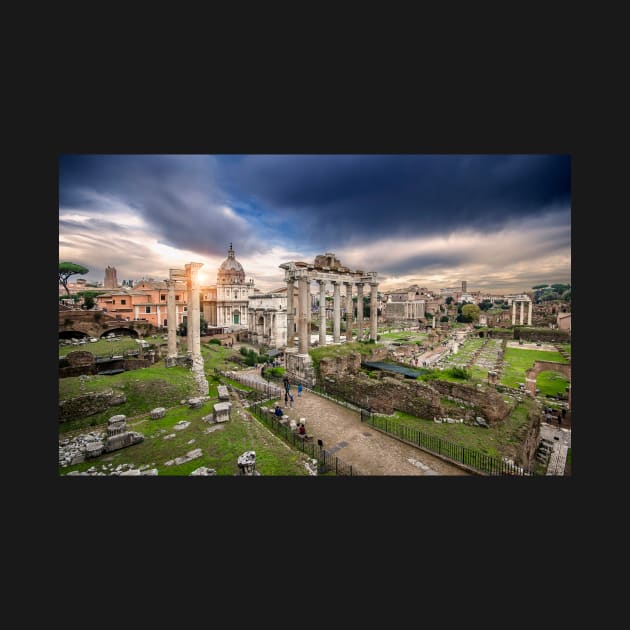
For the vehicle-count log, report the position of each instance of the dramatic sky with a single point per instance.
(500, 222)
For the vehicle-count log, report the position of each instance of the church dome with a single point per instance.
(231, 271)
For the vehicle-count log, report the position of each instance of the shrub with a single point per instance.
(216, 342)
(458, 372)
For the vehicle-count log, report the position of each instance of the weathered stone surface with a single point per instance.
(87, 404)
(194, 454)
(170, 436)
(223, 392)
(203, 471)
(158, 412)
(208, 418)
(181, 425)
(221, 411)
(93, 449)
(195, 403)
(122, 440)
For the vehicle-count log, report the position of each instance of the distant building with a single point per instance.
(226, 303)
(267, 318)
(111, 281)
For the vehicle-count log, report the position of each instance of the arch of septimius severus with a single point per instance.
(189, 276)
(326, 269)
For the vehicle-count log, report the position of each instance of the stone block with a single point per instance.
(158, 412)
(221, 411)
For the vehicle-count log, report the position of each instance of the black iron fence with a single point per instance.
(481, 462)
(326, 462)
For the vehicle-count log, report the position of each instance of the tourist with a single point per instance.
(291, 401)
(300, 389)
(278, 411)
(302, 429)
(286, 398)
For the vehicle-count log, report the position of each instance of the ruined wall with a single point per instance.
(529, 443)
(386, 394)
(89, 404)
(542, 334)
(340, 365)
(485, 401)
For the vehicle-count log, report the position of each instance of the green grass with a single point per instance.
(102, 347)
(221, 448)
(365, 349)
(518, 361)
(145, 389)
(496, 441)
(566, 347)
(551, 383)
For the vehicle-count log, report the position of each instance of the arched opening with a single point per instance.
(120, 332)
(236, 316)
(72, 334)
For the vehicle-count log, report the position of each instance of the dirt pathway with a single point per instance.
(358, 444)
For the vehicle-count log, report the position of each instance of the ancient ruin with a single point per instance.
(325, 269)
(189, 275)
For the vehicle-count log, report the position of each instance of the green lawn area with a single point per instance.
(104, 348)
(566, 347)
(495, 441)
(145, 389)
(220, 448)
(405, 335)
(517, 362)
(551, 383)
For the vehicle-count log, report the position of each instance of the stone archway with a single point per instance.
(542, 366)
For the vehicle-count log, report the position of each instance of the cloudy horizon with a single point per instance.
(500, 222)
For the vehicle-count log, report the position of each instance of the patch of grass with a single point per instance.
(518, 361)
(104, 348)
(496, 441)
(220, 449)
(551, 383)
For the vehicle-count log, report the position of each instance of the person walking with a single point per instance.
(299, 389)
(291, 401)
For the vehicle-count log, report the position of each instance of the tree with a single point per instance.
(449, 299)
(471, 312)
(67, 269)
(540, 286)
(444, 318)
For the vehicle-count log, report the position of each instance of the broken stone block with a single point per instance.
(223, 393)
(158, 412)
(94, 449)
(195, 403)
(221, 411)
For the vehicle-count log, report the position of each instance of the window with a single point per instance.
(147, 309)
(177, 297)
(185, 308)
(162, 297)
(123, 301)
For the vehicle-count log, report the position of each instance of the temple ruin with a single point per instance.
(325, 269)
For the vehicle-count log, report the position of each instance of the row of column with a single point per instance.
(529, 312)
(304, 312)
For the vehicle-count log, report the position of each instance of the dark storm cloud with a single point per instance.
(177, 196)
(332, 200)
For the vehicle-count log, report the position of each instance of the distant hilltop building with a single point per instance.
(111, 281)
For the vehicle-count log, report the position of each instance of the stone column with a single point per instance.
(193, 308)
(373, 311)
(522, 308)
(359, 310)
(304, 315)
(513, 312)
(189, 328)
(171, 320)
(529, 314)
(322, 312)
(290, 316)
(349, 311)
(336, 311)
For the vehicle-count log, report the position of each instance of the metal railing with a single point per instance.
(326, 462)
(456, 453)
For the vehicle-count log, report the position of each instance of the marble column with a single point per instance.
(171, 319)
(373, 311)
(513, 312)
(322, 312)
(189, 328)
(290, 315)
(349, 311)
(529, 314)
(522, 309)
(193, 309)
(304, 315)
(359, 310)
(336, 311)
